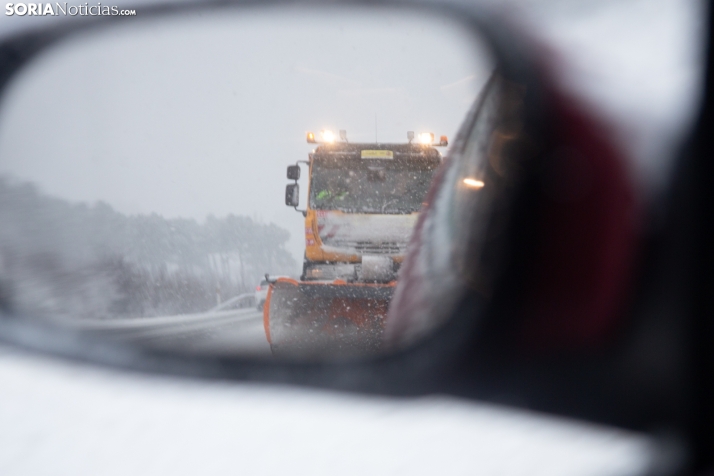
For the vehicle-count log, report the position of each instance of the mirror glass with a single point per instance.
(143, 174)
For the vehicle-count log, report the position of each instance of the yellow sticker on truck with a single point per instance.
(377, 154)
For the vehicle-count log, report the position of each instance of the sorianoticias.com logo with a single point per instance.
(55, 9)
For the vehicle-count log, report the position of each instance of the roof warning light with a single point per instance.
(426, 138)
(327, 136)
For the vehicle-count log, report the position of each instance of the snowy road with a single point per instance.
(226, 332)
(240, 332)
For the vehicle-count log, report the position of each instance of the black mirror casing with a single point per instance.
(293, 172)
(292, 195)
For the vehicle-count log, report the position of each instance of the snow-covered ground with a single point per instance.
(68, 419)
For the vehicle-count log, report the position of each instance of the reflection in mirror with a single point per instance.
(469, 213)
(142, 168)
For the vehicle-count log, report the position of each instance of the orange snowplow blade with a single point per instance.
(317, 319)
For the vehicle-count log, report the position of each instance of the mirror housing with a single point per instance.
(294, 172)
(292, 193)
(463, 356)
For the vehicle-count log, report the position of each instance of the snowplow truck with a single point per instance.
(362, 206)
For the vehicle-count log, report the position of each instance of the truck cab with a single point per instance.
(363, 202)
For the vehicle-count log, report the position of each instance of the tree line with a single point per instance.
(88, 260)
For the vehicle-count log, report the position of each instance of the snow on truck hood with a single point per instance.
(369, 233)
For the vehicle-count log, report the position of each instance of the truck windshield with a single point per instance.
(370, 186)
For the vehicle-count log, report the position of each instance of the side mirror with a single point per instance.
(531, 270)
(294, 172)
(292, 194)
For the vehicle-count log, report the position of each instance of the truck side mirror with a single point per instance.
(292, 194)
(294, 172)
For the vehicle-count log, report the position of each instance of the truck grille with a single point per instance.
(370, 248)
